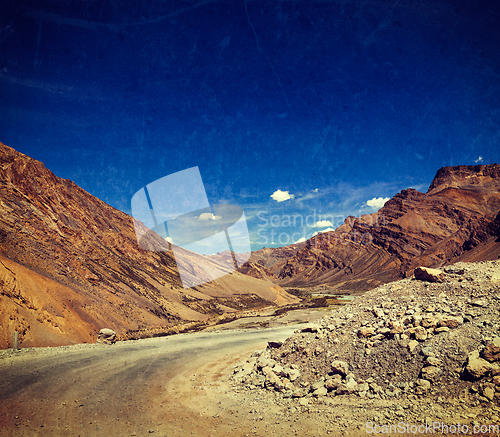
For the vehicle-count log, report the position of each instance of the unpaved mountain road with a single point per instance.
(169, 386)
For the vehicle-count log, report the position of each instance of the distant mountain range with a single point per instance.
(70, 265)
(457, 219)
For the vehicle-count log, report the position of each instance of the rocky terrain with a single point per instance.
(457, 219)
(421, 349)
(70, 265)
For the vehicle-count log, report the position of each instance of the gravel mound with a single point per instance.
(414, 339)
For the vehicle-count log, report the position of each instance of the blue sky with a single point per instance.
(324, 105)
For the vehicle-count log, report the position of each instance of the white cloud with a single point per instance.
(478, 160)
(208, 216)
(281, 196)
(377, 202)
(322, 224)
(300, 240)
(169, 240)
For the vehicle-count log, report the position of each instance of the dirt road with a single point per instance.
(164, 386)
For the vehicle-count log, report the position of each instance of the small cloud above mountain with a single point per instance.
(322, 224)
(479, 160)
(281, 196)
(377, 202)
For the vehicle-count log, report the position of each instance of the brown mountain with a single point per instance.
(457, 219)
(70, 265)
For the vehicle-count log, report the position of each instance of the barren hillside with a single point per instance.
(71, 265)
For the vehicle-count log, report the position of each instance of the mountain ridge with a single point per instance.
(457, 219)
(54, 232)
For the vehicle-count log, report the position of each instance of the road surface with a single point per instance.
(164, 386)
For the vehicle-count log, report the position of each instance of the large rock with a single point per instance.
(431, 373)
(477, 367)
(366, 332)
(451, 321)
(492, 350)
(429, 275)
(340, 367)
(106, 336)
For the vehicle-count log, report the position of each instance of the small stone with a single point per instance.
(451, 321)
(427, 351)
(322, 391)
(278, 369)
(340, 367)
(397, 329)
(480, 303)
(412, 344)
(351, 385)
(332, 384)
(293, 374)
(310, 327)
(430, 373)
(432, 361)
(489, 393)
(420, 333)
(366, 332)
(275, 344)
(342, 390)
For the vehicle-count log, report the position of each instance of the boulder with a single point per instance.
(340, 367)
(106, 336)
(478, 367)
(491, 352)
(451, 321)
(429, 275)
(430, 373)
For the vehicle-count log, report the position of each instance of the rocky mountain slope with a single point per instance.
(70, 265)
(416, 350)
(457, 219)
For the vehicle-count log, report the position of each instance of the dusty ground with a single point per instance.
(170, 386)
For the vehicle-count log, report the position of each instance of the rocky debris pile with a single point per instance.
(410, 338)
(106, 336)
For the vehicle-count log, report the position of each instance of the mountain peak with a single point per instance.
(465, 176)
